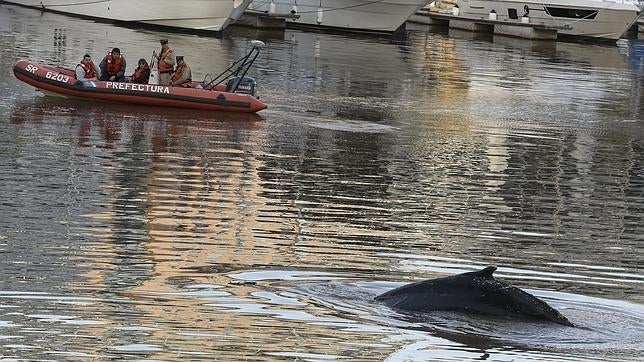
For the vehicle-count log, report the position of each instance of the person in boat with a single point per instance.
(166, 62)
(182, 75)
(141, 73)
(113, 66)
(86, 70)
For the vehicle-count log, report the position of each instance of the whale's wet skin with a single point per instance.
(472, 292)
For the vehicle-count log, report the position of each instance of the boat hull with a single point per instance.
(202, 15)
(611, 21)
(358, 15)
(61, 82)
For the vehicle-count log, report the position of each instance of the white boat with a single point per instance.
(422, 16)
(640, 25)
(356, 15)
(203, 15)
(584, 18)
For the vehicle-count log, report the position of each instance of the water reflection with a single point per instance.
(133, 232)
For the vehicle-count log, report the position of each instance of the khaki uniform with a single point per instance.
(168, 58)
(183, 76)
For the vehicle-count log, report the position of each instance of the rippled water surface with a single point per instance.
(162, 234)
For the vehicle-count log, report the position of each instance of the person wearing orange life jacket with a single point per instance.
(113, 66)
(86, 70)
(182, 75)
(142, 73)
(165, 61)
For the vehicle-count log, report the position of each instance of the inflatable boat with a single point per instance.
(236, 94)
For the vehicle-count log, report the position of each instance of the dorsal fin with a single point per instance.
(486, 272)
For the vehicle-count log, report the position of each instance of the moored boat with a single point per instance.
(201, 15)
(237, 94)
(595, 19)
(383, 16)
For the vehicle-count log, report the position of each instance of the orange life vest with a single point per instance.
(178, 73)
(138, 71)
(90, 71)
(113, 65)
(163, 66)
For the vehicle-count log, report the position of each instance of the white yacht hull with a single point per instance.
(610, 22)
(359, 15)
(640, 25)
(205, 15)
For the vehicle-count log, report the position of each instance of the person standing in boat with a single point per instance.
(86, 70)
(165, 61)
(182, 75)
(113, 66)
(141, 73)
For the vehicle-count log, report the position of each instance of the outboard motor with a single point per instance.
(241, 85)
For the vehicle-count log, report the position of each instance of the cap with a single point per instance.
(163, 41)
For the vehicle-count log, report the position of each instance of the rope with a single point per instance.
(79, 3)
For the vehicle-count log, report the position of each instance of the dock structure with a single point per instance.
(265, 20)
(517, 29)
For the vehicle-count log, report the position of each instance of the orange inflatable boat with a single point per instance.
(234, 95)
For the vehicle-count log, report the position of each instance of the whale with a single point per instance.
(473, 292)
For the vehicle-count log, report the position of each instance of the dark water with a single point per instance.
(142, 233)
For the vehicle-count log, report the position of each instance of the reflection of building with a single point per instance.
(503, 135)
(441, 71)
(197, 202)
(503, 75)
(318, 67)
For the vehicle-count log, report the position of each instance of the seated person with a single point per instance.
(141, 73)
(86, 70)
(182, 76)
(113, 66)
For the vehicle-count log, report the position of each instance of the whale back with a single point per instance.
(477, 292)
